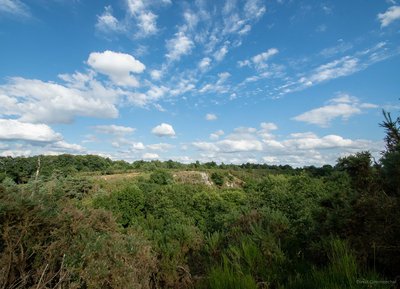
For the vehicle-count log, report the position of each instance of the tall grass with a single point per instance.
(342, 272)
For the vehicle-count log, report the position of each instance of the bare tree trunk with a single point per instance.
(38, 169)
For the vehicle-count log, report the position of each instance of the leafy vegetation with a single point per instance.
(89, 222)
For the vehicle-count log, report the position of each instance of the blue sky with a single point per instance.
(277, 82)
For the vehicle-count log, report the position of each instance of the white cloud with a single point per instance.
(337, 49)
(107, 23)
(246, 29)
(16, 153)
(204, 63)
(220, 54)
(216, 135)
(163, 129)
(114, 129)
(206, 146)
(146, 20)
(297, 149)
(14, 7)
(160, 147)
(147, 23)
(32, 139)
(321, 28)
(63, 147)
(183, 86)
(231, 146)
(178, 46)
(138, 146)
(150, 156)
(12, 130)
(310, 141)
(156, 74)
(152, 95)
(259, 60)
(254, 9)
(343, 106)
(192, 19)
(268, 126)
(118, 66)
(211, 116)
(243, 63)
(341, 67)
(262, 57)
(48, 102)
(219, 86)
(338, 68)
(391, 15)
(266, 131)
(135, 6)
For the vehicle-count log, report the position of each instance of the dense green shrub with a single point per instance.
(218, 178)
(46, 241)
(161, 177)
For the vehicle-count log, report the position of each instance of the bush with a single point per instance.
(161, 177)
(218, 178)
(46, 242)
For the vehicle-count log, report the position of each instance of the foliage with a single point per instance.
(47, 241)
(218, 178)
(260, 226)
(161, 177)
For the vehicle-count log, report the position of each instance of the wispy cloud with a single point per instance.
(391, 15)
(341, 67)
(14, 7)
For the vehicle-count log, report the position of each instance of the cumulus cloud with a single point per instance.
(391, 15)
(150, 156)
(211, 116)
(117, 66)
(231, 146)
(113, 129)
(216, 135)
(26, 139)
(206, 146)
(163, 129)
(37, 101)
(64, 147)
(265, 131)
(297, 149)
(343, 106)
(12, 130)
(138, 146)
(178, 46)
(308, 141)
